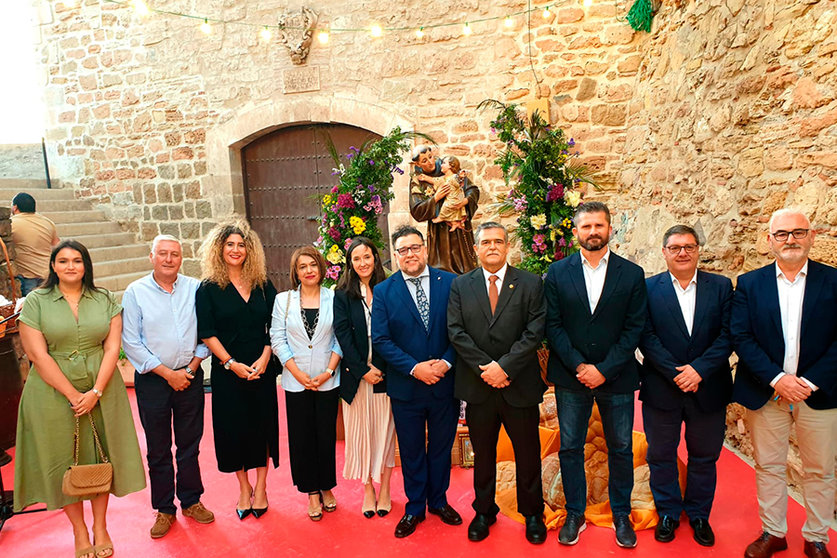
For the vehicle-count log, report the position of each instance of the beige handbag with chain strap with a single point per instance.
(87, 480)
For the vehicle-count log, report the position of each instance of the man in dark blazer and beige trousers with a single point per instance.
(496, 320)
(784, 329)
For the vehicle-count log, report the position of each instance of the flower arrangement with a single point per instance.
(353, 205)
(544, 177)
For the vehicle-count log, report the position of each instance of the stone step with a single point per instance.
(84, 216)
(118, 283)
(120, 267)
(25, 184)
(49, 207)
(116, 240)
(7, 192)
(110, 253)
(74, 230)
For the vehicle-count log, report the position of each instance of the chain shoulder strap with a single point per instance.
(102, 457)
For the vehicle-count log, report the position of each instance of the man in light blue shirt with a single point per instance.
(160, 338)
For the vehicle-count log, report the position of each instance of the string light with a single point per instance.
(265, 34)
(376, 30)
(141, 8)
(508, 22)
(466, 29)
(322, 36)
(420, 32)
(206, 27)
(546, 13)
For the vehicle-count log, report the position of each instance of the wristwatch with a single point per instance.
(330, 372)
(97, 392)
(228, 364)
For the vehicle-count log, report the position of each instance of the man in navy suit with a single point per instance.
(595, 317)
(685, 378)
(409, 330)
(784, 329)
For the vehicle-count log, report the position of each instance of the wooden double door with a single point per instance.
(285, 172)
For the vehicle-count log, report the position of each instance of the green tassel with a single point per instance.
(640, 15)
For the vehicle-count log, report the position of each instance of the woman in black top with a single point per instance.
(233, 306)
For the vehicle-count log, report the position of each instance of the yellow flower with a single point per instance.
(357, 224)
(327, 199)
(538, 221)
(567, 223)
(572, 197)
(553, 234)
(335, 255)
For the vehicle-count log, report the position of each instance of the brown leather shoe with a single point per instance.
(199, 513)
(765, 546)
(162, 525)
(816, 550)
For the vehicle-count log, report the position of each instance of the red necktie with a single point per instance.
(493, 295)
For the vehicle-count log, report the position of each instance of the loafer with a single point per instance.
(816, 550)
(448, 514)
(478, 529)
(573, 526)
(199, 513)
(407, 525)
(625, 535)
(535, 529)
(703, 532)
(665, 529)
(765, 546)
(162, 524)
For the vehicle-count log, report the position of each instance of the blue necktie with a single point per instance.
(421, 302)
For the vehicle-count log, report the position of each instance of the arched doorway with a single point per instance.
(284, 173)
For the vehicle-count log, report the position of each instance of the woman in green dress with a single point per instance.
(70, 331)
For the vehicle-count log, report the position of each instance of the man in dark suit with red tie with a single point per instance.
(496, 320)
(685, 378)
(784, 329)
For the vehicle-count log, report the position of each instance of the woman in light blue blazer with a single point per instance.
(302, 337)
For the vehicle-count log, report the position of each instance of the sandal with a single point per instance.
(103, 550)
(328, 500)
(85, 552)
(315, 511)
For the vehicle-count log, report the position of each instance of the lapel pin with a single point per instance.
(511, 286)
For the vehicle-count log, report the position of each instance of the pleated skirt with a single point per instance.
(370, 435)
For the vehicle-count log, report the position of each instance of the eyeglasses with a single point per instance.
(689, 248)
(414, 248)
(782, 236)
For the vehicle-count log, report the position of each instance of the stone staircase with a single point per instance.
(118, 259)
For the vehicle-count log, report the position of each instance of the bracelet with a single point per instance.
(97, 392)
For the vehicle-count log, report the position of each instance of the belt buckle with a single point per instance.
(73, 355)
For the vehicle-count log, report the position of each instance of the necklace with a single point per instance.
(309, 329)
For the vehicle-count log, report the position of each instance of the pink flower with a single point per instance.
(345, 201)
(333, 272)
(334, 234)
(346, 244)
(335, 189)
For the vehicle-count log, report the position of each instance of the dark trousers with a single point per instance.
(312, 437)
(704, 440)
(521, 423)
(425, 466)
(617, 412)
(161, 409)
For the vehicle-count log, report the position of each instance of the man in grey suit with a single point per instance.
(496, 321)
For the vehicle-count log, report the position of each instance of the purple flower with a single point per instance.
(555, 193)
(571, 143)
(398, 170)
(334, 234)
(355, 149)
(349, 156)
(562, 242)
(371, 162)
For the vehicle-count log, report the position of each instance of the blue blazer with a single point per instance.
(757, 336)
(608, 337)
(398, 335)
(666, 343)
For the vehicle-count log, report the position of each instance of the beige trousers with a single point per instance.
(816, 431)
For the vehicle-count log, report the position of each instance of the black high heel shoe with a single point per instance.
(258, 512)
(244, 513)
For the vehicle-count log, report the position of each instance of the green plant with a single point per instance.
(543, 176)
(364, 186)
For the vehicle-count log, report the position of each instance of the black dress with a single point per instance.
(245, 414)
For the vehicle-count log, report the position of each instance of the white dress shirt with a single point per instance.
(425, 284)
(501, 275)
(686, 298)
(791, 297)
(594, 278)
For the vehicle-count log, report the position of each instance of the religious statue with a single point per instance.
(449, 247)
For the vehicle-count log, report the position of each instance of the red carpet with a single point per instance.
(286, 530)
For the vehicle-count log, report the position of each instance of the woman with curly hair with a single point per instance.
(233, 304)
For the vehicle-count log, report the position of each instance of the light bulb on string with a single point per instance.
(265, 33)
(206, 27)
(141, 8)
(376, 30)
(508, 22)
(322, 36)
(546, 13)
(420, 32)
(466, 29)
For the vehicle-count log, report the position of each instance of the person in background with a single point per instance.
(71, 330)
(685, 379)
(160, 338)
(367, 411)
(33, 236)
(233, 305)
(784, 330)
(302, 337)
